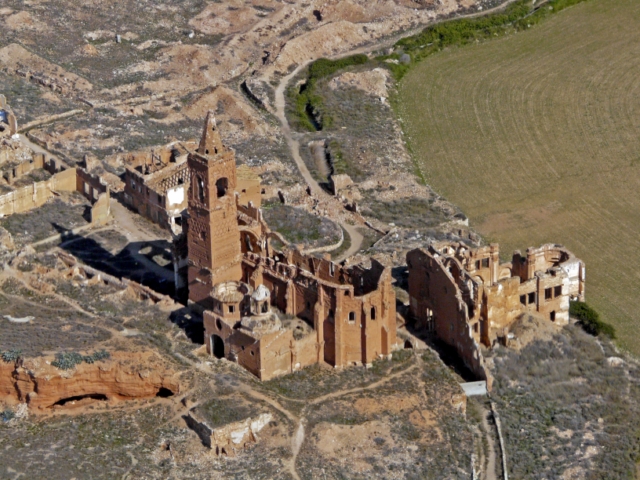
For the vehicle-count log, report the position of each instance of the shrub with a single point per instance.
(68, 360)
(11, 356)
(8, 415)
(590, 321)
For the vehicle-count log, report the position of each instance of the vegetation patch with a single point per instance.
(410, 212)
(10, 356)
(300, 227)
(516, 17)
(69, 360)
(590, 321)
(308, 105)
(580, 412)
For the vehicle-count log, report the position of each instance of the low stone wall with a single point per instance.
(37, 194)
(14, 173)
(229, 439)
(65, 180)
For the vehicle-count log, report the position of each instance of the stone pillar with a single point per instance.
(531, 264)
(290, 298)
(338, 327)
(319, 314)
(13, 123)
(494, 262)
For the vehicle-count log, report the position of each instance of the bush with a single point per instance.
(590, 321)
(517, 16)
(68, 360)
(8, 415)
(10, 356)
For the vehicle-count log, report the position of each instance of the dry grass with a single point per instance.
(535, 136)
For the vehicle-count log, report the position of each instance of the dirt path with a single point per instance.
(490, 473)
(35, 147)
(294, 145)
(316, 190)
(380, 382)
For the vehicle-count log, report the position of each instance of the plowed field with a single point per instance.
(536, 137)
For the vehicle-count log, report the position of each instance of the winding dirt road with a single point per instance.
(294, 145)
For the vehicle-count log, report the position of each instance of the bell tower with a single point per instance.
(213, 236)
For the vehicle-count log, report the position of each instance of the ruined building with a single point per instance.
(271, 311)
(8, 122)
(467, 297)
(156, 183)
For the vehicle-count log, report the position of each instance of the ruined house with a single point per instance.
(467, 297)
(230, 439)
(156, 183)
(271, 311)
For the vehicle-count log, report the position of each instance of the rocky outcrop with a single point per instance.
(124, 376)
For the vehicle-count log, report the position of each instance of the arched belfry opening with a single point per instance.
(222, 185)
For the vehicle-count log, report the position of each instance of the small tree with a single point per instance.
(590, 321)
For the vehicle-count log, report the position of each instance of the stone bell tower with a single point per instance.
(213, 236)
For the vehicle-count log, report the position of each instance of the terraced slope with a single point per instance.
(537, 138)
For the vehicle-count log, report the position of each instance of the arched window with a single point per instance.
(200, 184)
(222, 185)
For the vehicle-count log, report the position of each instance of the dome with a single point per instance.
(262, 293)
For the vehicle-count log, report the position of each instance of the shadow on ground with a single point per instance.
(148, 263)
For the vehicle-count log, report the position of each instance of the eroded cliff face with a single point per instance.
(124, 376)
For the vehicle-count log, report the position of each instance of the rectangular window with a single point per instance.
(557, 291)
(485, 263)
(548, 293)
(478, 265)
(232, 308)
(523, 299)
(532, 298)
(352, 317)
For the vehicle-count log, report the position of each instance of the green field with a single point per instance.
(536, 136)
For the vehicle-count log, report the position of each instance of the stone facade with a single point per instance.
(274, 312)
(230, 439)
(156, 183)
(467, 297)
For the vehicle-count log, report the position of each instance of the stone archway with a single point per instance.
(217, 346)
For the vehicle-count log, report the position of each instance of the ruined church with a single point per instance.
(273, 312)
(468, 298)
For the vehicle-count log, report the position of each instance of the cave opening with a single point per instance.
(77, 398)
(164, 393)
